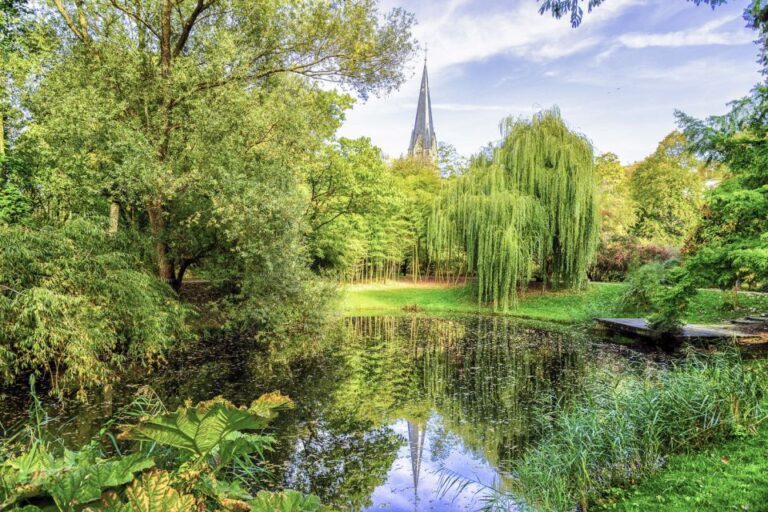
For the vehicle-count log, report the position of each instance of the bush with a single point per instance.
(616, 258)
(623, 427)
(75, 307)
(643, 288)
(659, 292)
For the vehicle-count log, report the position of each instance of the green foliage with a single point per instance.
(35, 472)
(729, 248)
(213, 425)
(727, 475)
(152, 492)
(351, 194)
(642, 287)
(617, 207)
(201, 140)
(673, 302)
(13, 204)
(531, 207)
(667, 190)
(75, 307)
(662, 294)
(624, 427)
(286, 501)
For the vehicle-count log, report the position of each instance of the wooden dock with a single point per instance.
(639, 327)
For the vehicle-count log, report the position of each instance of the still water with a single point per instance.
(388, 410)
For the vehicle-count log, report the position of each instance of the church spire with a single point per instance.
(423, 140)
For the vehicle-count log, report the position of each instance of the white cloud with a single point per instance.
(704, 35)
(459, 35)
(470, 107)
(608, 87)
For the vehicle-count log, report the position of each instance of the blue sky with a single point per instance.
(617, 79)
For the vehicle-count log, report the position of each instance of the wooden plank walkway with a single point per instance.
(639, 327)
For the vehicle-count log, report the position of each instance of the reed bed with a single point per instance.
(622, 428)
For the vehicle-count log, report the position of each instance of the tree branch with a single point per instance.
(69, 21)
(135, 16)
(201, 6)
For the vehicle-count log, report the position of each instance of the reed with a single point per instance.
(623, 427)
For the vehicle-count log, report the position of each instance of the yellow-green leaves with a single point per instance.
(72, 480)
(153, 493)
(210, 426)
(528, 209)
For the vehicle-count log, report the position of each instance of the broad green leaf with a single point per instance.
(286, 501)
(201, 429)
(86, 483)
(153, 493)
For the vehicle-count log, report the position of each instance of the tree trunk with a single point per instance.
(165, 268)
(2, 126)
(114, 217)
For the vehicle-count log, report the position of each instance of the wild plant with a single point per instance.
(194, 458)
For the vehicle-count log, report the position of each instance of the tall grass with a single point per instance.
(622, 428)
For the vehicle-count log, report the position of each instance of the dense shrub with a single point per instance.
(616, 258)
(623, 427)
(659, 292)
(75, 307)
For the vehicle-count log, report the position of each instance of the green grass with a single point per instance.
(729, 476)
(599, 299)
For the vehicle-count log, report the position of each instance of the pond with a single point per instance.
(388, 410)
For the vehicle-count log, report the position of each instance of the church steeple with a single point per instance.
(423, 140)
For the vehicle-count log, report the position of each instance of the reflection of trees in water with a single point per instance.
(342, 461)
(493, 381)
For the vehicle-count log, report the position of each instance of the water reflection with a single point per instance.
(386, 407)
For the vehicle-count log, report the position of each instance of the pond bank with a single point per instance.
(728, 476)
(599, 299)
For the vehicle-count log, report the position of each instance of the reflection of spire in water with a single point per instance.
(416, 443)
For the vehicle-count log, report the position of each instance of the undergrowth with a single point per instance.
(204, 457)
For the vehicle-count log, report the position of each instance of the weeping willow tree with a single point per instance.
(528, 209)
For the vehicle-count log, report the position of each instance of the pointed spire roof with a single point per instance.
(416, 444)
(423, 140)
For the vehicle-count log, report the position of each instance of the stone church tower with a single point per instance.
(423, 140)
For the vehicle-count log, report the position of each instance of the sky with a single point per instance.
(617, 79)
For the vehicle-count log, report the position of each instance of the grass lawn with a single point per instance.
(730, 476)
(599, 299)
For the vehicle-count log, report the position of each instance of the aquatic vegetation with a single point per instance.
(202, 457)
(624, 427)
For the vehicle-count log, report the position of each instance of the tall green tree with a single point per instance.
(667, 188)
(419, 184)
(348, 186)
(617, 207)
(176, 113)
(729, 248)
(530, 208)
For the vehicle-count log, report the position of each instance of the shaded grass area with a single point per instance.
(729, 476)
(599, 299)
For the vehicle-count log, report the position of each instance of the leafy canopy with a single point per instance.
(530, 207)
(667, 188)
